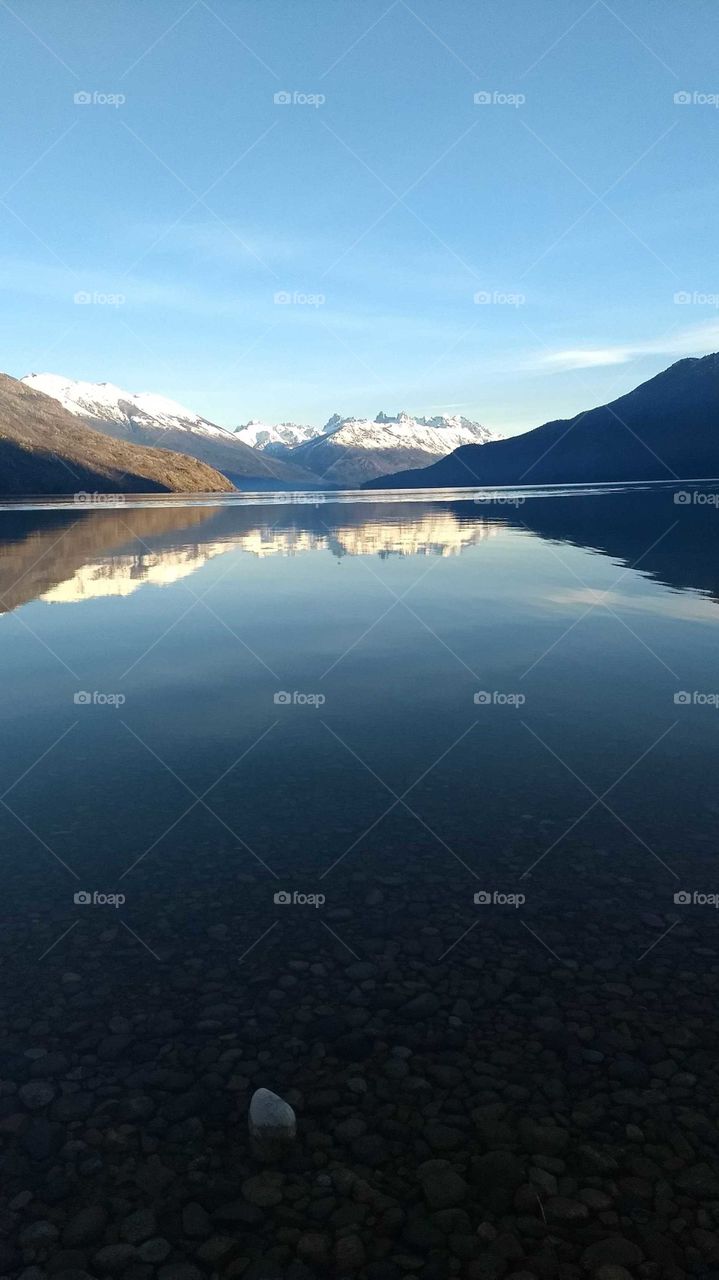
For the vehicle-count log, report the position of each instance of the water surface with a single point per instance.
(500, 664)
(403, 809)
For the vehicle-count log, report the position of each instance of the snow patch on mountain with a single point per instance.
(108, 403)
(435, 435)
(275, 438)
(438, 435)
(104, 402)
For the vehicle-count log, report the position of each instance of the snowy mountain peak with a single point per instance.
(438, 435)
(275, 437)
(105, 402)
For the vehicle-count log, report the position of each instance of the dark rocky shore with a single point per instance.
(536, 1098)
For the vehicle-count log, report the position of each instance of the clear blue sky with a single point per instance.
(396, 200)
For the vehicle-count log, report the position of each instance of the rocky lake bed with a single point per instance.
(469, 944)
(480, 1090)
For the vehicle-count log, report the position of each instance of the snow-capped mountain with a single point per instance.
(439, 435)
(149, 419)
(346, 452)
(277, 438)
(351, 451)
(107, 403)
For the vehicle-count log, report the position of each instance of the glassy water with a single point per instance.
(507, 662)
(338, 758)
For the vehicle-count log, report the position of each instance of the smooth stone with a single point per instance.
(37, 1094)
(155, 1250)
(139, 1226)
(272, 1125)
(262, 1192)
(114, 1258)
(614, 1250)
(421, 1006)
(86, 1226)
(443, 1188)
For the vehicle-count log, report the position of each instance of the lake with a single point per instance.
(404, 809)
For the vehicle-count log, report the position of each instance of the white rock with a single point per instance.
(272, 1124)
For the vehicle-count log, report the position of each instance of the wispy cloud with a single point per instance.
(697, 340)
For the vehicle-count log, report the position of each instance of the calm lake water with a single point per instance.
(499, 664)
(384, 806)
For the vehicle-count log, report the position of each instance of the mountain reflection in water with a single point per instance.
(69, 556)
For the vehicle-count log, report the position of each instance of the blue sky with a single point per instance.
(578, 203)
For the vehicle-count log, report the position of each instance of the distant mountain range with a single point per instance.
(347, 452)
(44, 449)
(667, 428)
(278, 439)
(258, 455)
(147, 419)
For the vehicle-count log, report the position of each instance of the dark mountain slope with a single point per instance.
(158, 423)
(45, 450)
(667, 428)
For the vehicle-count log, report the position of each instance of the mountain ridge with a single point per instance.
(44, 449)
(157, 422)
(349, 451)
(666, 428)
(345, 452)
